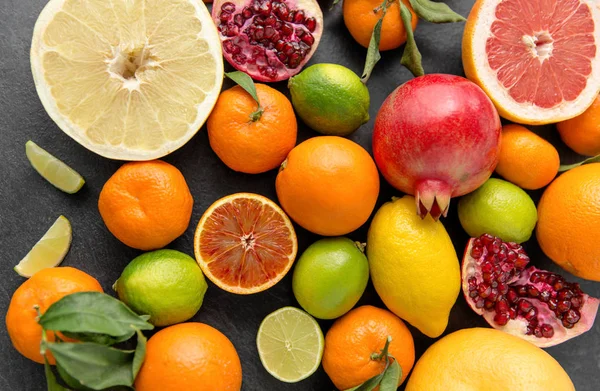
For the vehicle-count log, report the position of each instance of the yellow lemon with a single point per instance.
(487, 359)
(413, 265)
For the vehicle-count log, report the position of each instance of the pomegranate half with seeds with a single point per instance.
(536, 305)
(269, 40)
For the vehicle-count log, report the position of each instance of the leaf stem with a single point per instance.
(384, 354)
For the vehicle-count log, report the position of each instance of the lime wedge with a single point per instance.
(49, 251)
(53, 170)
(290, 344)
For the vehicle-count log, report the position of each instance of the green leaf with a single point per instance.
(370, 384)
(244, 81)
(567, 167)
(435, 12)
(411, 58)
(373, 55)
(391, 377)
(101, 339)
(93, 313)
(335, 2)
(95, 366)
(140, 353)
(51, 378)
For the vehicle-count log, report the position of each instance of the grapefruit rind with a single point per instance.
(111, 149)
(478, 29)
(204, 262)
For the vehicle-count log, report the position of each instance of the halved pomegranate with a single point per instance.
(269, 40)
(536, 305)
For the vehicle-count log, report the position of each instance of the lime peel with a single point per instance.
(49, 251)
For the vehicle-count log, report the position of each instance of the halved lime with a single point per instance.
(290, 344)
(53, 170)
(49, 251)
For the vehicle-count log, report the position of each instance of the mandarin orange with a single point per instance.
(190, 356)
(582, 133)
(360, 17)
(352, 340)
(328, 185)
(43, 289)
(568, 225)
(526, 159)
(248, 142)
(146, 205)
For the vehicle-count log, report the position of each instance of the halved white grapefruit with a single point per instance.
(538, 60)
(127, 79)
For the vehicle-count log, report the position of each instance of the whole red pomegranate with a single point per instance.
(270, 40)
(536, 305)
(436, 137)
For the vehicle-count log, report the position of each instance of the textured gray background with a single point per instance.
(28, 205)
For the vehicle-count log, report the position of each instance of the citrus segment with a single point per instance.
(129, 80)
(290, 344)
(49, 251)
(245, 243)
(53, 170)
(537, 60)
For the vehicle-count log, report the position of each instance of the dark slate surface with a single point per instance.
(28, 205)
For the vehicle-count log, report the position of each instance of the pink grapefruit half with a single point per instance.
(538, 60)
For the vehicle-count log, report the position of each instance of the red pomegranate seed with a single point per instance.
(531, 314)
(552, 304)
(564, 294)
(224, 16)
(239, 58)
(572, 316)
(501, 318)
(288, 49)
(563, 306)
(512, 296)
(576, 302)
(282, 11)
(308, 38)
(547, 331)
(287, 29)
(501, 306)
(228, 7)
(299, 17)
(484, 290)
(290, 16)
(311, 24)
(476, 252)
(279, 45)
(282, 57)
(265, 8)
(238, 20)
(488, 304)
(512, 313)
(247, 12)
(524, 306)
(532, 291)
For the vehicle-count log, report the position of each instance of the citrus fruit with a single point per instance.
(168, 285)
(582, 133)
(330, 277)
(248, 140)
(569, 221)
(414, 266)
(526, 159)
(245, 243)
(354, 338)
(538, 63)
(49, 251)
(53, 170)
(290, 344)
(190, 356)
(330, 99)
(328, 185)
(146, 205)
(43, 289)
(487, 359)
(128, 80)
(360, 17)
(498, 208)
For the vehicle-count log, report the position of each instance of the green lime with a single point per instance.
(330, 277)
(166, 284)
(53, 170)
(290, 344)
(498, 208)
(330, 98)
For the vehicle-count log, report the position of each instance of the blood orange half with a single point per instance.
(538, 60)
(245, 243)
